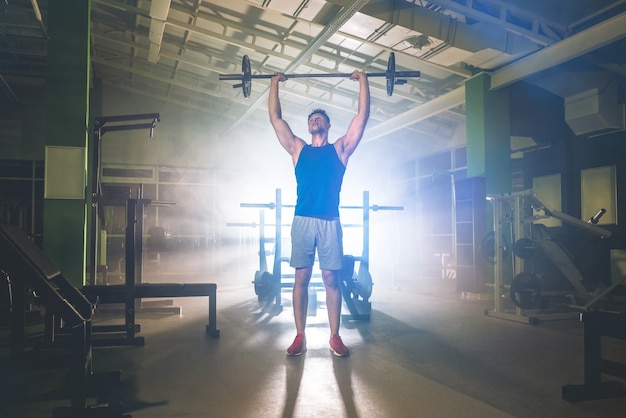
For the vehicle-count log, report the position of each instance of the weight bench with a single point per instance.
(127, 293)
(29, 268)
(133, 289)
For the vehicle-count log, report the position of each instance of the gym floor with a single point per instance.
(426, 352)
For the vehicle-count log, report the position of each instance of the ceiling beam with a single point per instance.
(147, 74)
(595, 37)
(434, 107)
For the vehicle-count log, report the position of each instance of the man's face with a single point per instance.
(318, 124)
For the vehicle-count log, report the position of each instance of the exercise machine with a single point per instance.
(517, 238)
(70, 312)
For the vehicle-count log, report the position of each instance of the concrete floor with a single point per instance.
(426, 352)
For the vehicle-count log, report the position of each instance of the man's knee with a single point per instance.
(330, 278)
(302, 277)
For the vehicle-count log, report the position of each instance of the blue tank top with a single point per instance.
(319, 174)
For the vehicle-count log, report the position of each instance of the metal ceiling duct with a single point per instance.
(158, 16)
(595, 112)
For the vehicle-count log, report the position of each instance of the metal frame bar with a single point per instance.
(100, 129)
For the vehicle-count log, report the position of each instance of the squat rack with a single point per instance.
(356, 288)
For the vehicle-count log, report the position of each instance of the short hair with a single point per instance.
(319, 111)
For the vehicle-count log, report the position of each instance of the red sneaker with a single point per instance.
(298, 347)
(337, 347)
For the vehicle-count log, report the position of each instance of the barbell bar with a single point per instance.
(246, 76)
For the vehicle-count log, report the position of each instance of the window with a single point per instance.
(599, 191)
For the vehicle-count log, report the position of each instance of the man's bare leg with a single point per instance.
(300, 297)
(333, 299)
(333, 304)
(300, 302)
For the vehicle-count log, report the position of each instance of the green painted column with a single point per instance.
(488, 134)
(489, 157)
(66, 133)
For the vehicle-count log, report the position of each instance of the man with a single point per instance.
(319, 168)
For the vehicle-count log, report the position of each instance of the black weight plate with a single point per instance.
(363, 284)
(487, 247)
(523, 248)
(246, 84)
(525, 290)
(259, 287)
(264, 284)
(347, 271)
(390, 76)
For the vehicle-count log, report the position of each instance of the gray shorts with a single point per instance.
(309, 234)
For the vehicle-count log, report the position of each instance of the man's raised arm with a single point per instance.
(352, 138)
(285, 136)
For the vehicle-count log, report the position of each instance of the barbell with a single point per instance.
(246, 76)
